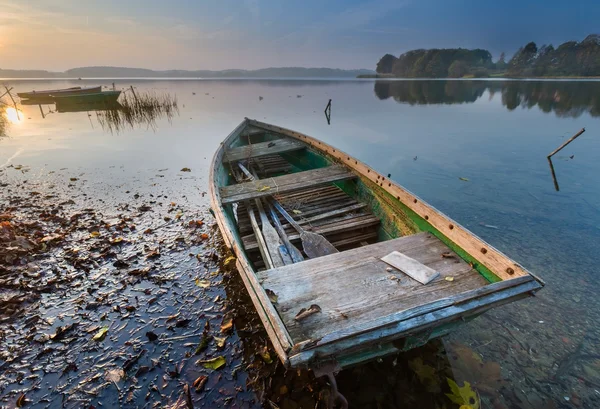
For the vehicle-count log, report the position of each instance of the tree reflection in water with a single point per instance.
(564, 98)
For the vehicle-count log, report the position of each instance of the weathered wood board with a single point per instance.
(411, 267)
(354, 287)
(285, 183)
(262, 149)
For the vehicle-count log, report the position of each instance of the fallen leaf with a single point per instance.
(73, 179)
(303, 313)
(264, 188)
(272, 296)
(200, 382)
(266, 357)
(186, 170)
(101, 334)
(463, 395)
(214, 363)
(296, 211)
(178, 215)
(203, 343)
(226, 325)
(21, 401)
(449, 278)
(204, 236)
(202, 283)
(114, 375)
(116, 240)
(94, 234)
(229, 260)
(220, 341)
(464, 179)
(153, 254)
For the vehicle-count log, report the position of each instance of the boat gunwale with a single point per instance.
(280, 338)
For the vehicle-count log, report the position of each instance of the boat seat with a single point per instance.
(282, 184)
(262, 149)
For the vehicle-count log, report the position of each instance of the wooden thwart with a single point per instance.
(263, 149)
(285, 183)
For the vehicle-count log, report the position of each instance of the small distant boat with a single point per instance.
(86, 98)
(381, 271)
(63, 106)
(49, 93)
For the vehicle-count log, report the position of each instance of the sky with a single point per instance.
(196, 34)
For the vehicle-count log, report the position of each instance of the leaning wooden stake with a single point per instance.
(553, 174)
(567, 142)
(13, 101)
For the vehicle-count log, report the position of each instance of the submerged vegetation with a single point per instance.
(569, 59)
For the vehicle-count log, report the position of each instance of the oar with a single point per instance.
(269, 233)
(314, 244)
(294, 253)
(264, 251)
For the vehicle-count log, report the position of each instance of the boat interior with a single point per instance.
(352, 287)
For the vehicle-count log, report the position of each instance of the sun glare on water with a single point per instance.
(14, 116)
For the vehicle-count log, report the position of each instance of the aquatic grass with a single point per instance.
(135, 109)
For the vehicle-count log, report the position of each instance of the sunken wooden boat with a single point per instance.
(49, 93)
(346, 306)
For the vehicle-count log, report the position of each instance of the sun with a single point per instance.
(13, 115)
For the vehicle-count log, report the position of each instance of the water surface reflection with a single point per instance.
(564, 99)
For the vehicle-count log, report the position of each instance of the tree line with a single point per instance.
(569, 59)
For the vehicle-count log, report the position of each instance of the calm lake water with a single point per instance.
(476, 150)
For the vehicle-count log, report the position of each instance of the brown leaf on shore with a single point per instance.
(114, 375)
(200, 382)
(153, 254)
(21, 401)
(227, 325)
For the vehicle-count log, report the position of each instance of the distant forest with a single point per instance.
(571, 59)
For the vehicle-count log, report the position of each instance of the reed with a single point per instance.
(138, 109)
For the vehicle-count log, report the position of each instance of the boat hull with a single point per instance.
(58, 92)
(107, 97)
(508, 281)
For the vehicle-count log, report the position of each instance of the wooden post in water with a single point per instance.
(42, 112)
(553, 174)
(13, 101)
(328, 112)
(134, 95)
(567, 142)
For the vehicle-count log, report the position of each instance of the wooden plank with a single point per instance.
(260, 240)
(422, 309)
(285, 183)
(411, 267)
(364, 289)
(401, 329)
(262, 149)
(493, 259)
